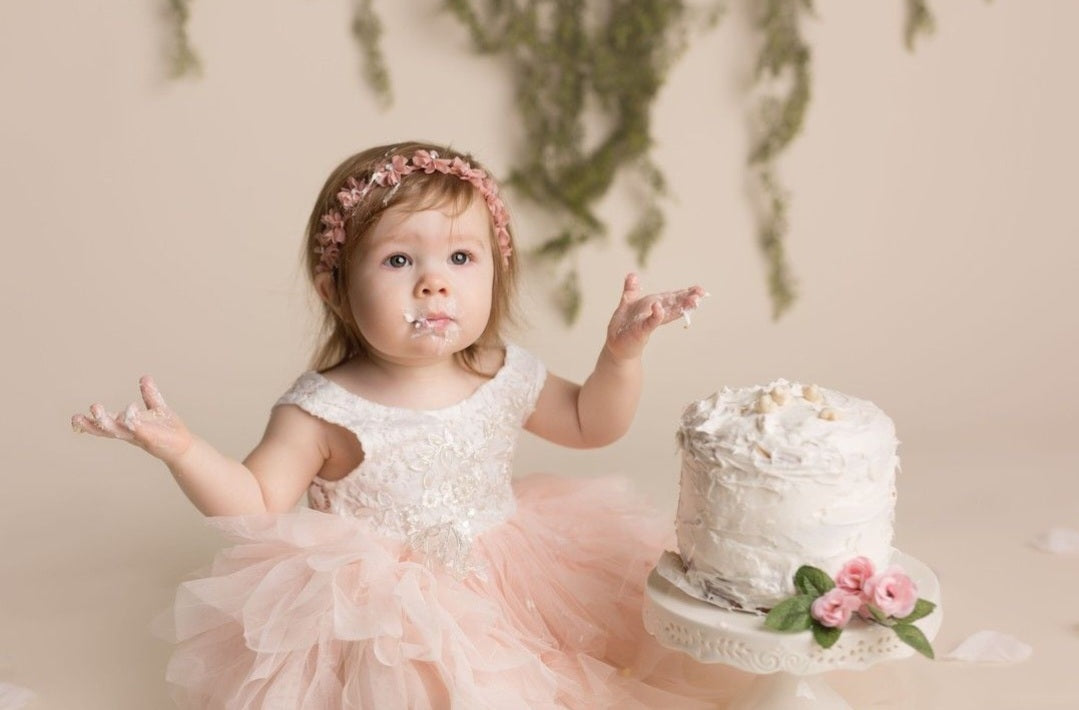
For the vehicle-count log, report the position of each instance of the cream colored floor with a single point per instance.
(75, 612)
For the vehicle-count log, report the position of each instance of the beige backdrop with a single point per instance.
(154, 226)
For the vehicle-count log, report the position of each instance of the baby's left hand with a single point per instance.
(637, 316)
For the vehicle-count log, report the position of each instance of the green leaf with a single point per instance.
(812, 581)
(790, 614)
(922, 608)
(826, 636)
(913, 637)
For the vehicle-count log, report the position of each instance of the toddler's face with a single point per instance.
(420, 286)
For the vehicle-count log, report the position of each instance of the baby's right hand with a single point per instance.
(156, 429)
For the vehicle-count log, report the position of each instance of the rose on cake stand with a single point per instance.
(837, 635)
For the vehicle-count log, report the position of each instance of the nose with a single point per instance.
(432, 283)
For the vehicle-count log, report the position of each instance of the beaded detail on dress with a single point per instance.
(432, 478)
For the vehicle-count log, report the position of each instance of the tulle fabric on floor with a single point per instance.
(312, 610)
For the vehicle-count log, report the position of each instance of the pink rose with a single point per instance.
(891, 591)
(852, 578)
(834, 607)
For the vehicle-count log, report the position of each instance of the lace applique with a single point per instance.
(448, 545)
(435, 479)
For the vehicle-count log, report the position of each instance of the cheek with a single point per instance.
(370, 302)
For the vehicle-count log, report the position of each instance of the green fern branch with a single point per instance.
(771, 237)
(919, 22)
(183, 60)
(784, 55)
(367, 30)
(562, 62)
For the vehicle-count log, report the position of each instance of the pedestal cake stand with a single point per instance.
(789, 666)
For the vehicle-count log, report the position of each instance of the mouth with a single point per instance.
(431, 322)
(435, 321)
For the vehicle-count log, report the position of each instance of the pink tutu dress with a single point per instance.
(427, 578)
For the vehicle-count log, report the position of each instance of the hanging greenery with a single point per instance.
(785, 61)
(183, 58)
(784, 58)
(367, 29)
(569, 58)
(919, 21)
(575, 61)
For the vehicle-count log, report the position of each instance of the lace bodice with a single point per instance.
(434, 478)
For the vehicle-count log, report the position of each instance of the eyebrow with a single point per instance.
(468, 239)
(455, 239)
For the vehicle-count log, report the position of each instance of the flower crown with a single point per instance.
(332, 237)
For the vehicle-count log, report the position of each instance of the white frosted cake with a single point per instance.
(777, 476)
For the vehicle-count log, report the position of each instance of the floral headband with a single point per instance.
(332, 238)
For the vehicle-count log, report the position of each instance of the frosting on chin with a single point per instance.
(773, 481)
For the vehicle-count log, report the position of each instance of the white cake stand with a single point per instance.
(789, 665)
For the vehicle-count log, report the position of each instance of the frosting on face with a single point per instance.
(439, 326)
(777, 476)
(438, 320)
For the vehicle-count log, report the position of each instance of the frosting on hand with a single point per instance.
(156, 429)
(637, 316)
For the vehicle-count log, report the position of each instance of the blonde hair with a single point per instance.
(340, 339)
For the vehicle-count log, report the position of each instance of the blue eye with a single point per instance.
(460, 258)
(397, 261)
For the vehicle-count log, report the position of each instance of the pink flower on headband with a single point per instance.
(476, 176)
(389, 175)
(330, 253)
(335, 228)
(392, 172)
(429, 162)
(351, 194)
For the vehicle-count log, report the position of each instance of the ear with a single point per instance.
(327, 291)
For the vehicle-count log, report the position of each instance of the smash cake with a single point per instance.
(778, 476)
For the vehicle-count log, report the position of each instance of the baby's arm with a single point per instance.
(601, 410)
(271, 479)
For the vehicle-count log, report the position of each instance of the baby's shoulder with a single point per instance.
(293, 426)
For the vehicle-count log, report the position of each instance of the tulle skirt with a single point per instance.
(312, 610)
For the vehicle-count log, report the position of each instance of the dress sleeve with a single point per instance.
(318, 397)
(300, 391)
(530, 377)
